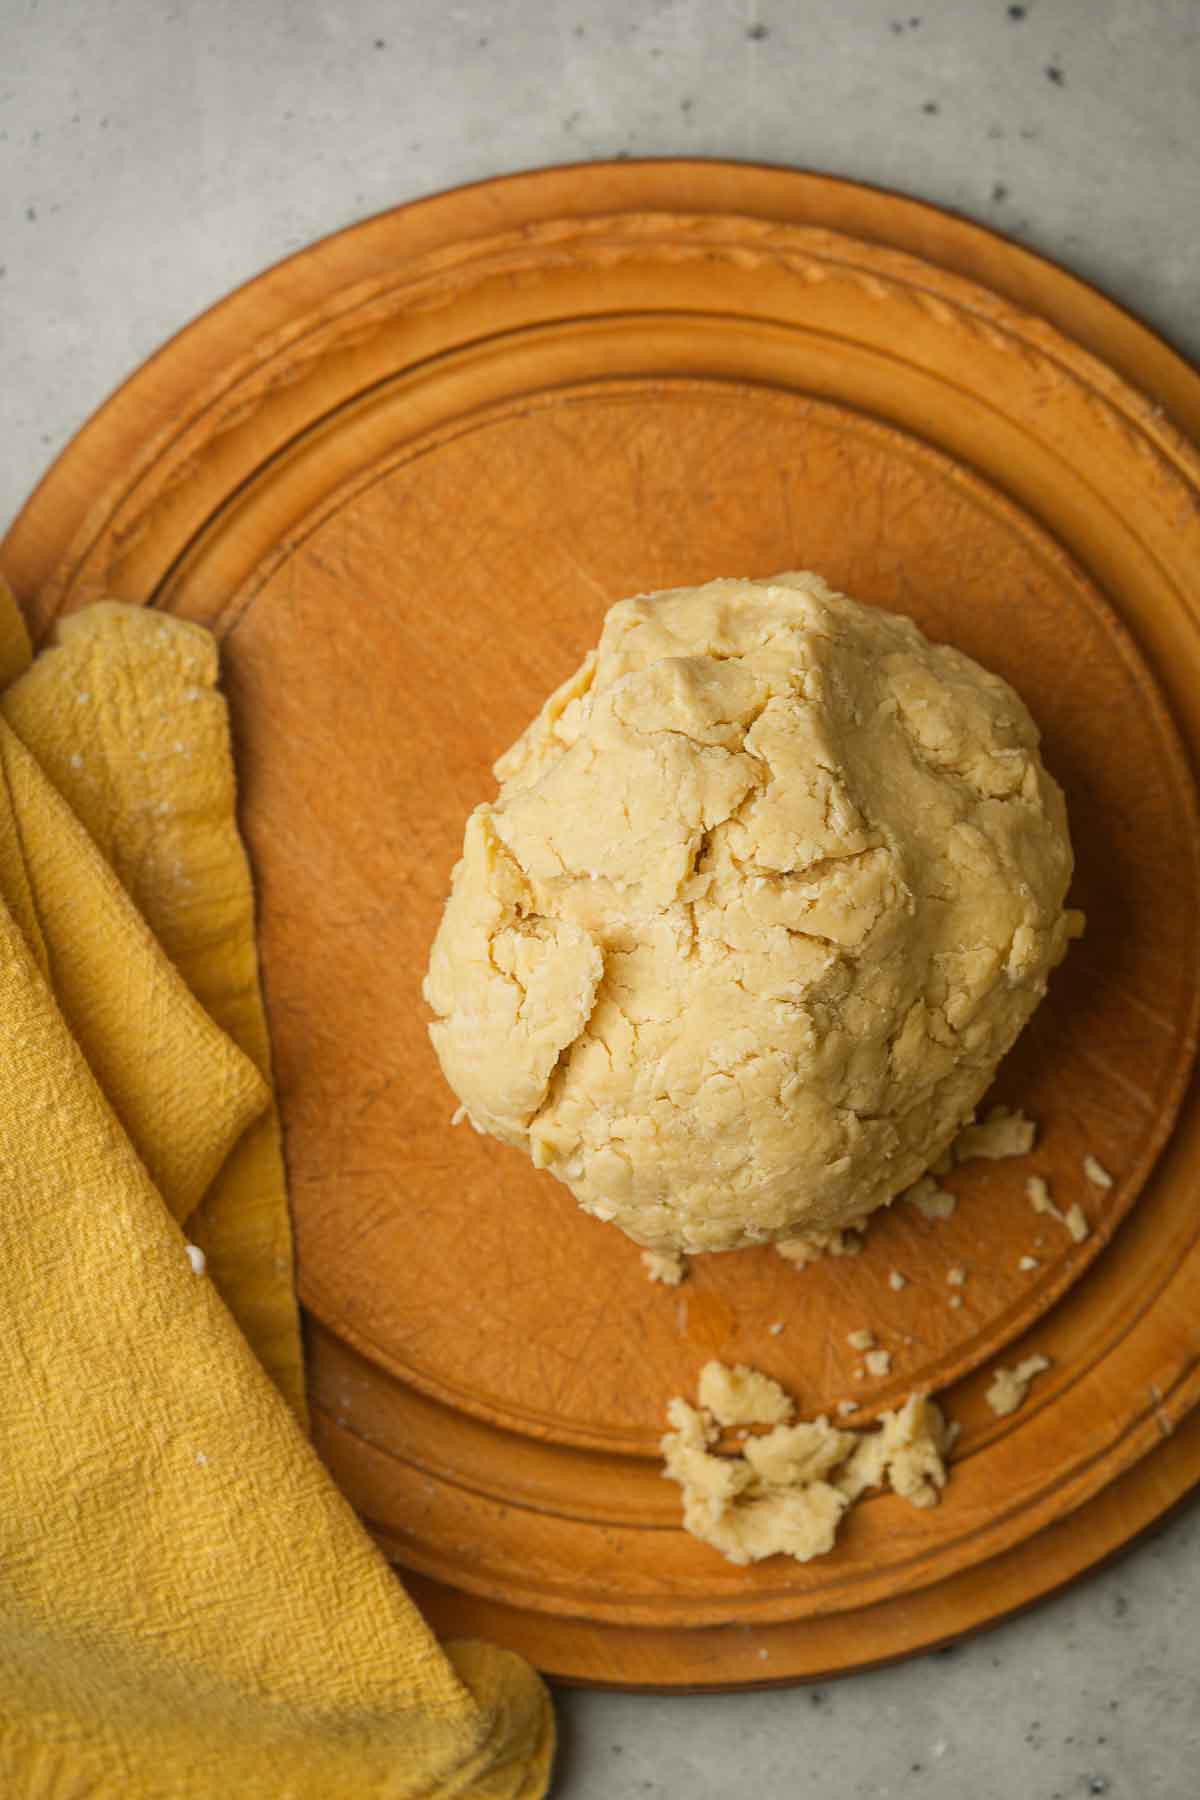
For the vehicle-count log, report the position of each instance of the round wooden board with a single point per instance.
(401, 476)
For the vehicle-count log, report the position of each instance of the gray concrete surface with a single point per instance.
(153, 153)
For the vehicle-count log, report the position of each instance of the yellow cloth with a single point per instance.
(188, 1608)
(161, 808)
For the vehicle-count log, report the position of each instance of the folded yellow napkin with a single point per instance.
(124, 717)
(187, 1606)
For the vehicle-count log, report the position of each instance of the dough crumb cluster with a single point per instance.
(770, 885)
(811, 1248)
(1037, 1190)
(786, 1491)
(1000, 1135)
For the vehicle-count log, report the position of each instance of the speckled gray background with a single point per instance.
(153, 153)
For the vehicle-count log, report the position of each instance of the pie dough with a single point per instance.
(770, 886)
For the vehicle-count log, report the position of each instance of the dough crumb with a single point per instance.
(1037, 1190)
(668, 1266)
(1028, 1262)
(846, 1407)
(1010, 1386)
(742, 1396)
(861, 1340)
(956, 1276)
(956, 1301)
(1002, 1134)
(932, 1201)
(794, 1455)
(787, 1491)
(897, 1281)
(1076, 1222)
(907, 1450)
(197, 1258)
(1096, 1172)
(776, 1328)
(458, 1116)
(697, 1428)
(879, 1362)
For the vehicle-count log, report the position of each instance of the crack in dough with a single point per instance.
(770, 886)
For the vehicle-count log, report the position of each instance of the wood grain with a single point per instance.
(402, 476)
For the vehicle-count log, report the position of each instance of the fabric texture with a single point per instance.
(188, 1607)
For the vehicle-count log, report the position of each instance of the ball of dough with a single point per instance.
(770, 886)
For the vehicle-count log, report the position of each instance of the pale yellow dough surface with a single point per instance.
(770, 886)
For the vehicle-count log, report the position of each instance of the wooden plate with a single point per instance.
(402, 476)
